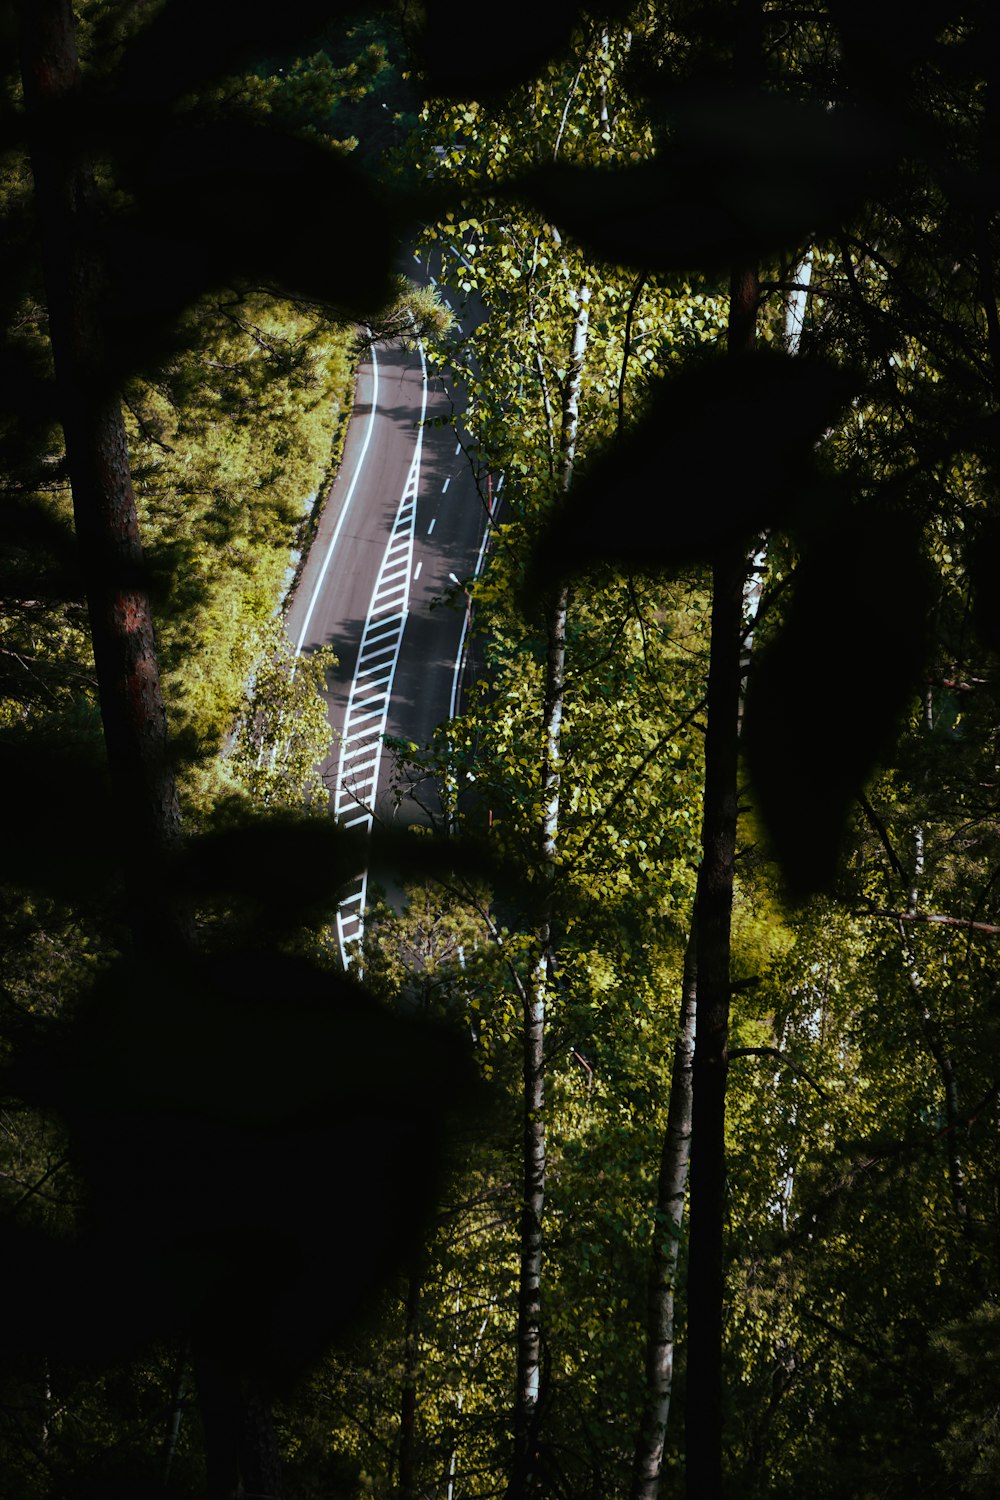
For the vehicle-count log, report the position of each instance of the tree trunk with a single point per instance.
(107, 529)
(648, 1459)
(713, 918)
(529, 1313)
(241, 1453)
(934, 1036)
(408, 1395)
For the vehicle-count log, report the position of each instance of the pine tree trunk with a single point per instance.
(714, 903)
(648, 1458)
(107, 528)
(241, 1452)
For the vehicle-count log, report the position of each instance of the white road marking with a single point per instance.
(358, 750)
(432, 526)
(416, 571)
(444, 487)
(369, 697)
(317, 587)
(457, 673)
(458, 449)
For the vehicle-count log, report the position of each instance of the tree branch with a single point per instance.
(782, 1058)
(935, 918)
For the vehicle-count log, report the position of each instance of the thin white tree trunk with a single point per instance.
(529, 1331)
(648, 1459)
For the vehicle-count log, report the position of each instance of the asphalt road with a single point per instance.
(403, 519)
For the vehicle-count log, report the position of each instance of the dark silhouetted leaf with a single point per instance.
(40, 557)
(883, 38)
(408, 856)
(509, 44)
(260, 1143)
(722, 452)
(189, 43)
(285, 869)
(242, 203)
(55, 806)
(982, 559)
(826, 696)
(743, 175)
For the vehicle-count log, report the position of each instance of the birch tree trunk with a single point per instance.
(529, 1322)
(408, 1395)
(672, 1185)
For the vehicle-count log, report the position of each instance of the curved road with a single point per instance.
(403, 520)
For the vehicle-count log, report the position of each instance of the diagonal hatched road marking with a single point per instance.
(363, 738)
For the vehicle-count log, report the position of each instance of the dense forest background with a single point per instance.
(718, 882)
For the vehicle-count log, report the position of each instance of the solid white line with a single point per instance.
(457, 672)
(343, 510)
(482, 549)
(465, 623)
(432, 526)
(416, 572)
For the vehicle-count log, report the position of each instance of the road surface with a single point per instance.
(403, 520)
